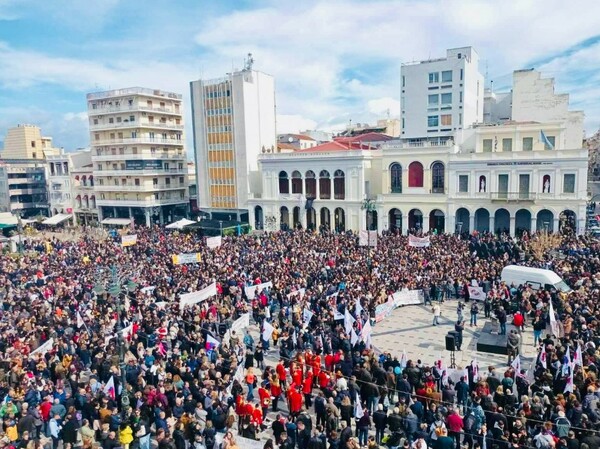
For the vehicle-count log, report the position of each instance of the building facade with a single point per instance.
(85, 209)
(233, 122)
(441, 96)
(138, 155)
(24, 187)
(27, 142)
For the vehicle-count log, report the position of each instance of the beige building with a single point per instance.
(27, 142)
(138, 155)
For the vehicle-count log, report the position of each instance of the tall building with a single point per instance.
(441, 96)
(23, 188)
(137, 143)
(234, 122)
(27, 142)
(85, 208)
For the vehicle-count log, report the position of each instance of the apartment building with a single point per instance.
(234, 122)
(443, 95)
(138, 155)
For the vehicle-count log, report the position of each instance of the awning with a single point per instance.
(116, 221)
(180, 224)
(56, 219)
(8, 220)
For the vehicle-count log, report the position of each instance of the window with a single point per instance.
(569, 183)
(460, 96)
(506, 144)
(137, 181)
(415, 174)
(310, 184)
(550, 144)
(447, 76)
(446, 119)
(487, 145)
(95, 121)
(324, 185)
(432, 120)
(447, 98)
(434, 77)
(296, 182)
(433, 100)
(437, 178)
(339, 185)
(403, 81)
(527, 143)
(154, 181)
(396, 178)
(118, 119)
(461, 74)
(111, 120)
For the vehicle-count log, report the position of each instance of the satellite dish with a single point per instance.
(290, 139)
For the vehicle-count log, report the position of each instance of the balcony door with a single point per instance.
(524, 187)
(502, 186)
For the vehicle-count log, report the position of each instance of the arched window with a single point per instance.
(324, 185)
(284, 182)
(415, 174)
(296, 182)
(437, 177)
(310, 183)
(339, 185)
(396, 177)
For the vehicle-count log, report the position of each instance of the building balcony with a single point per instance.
(150, 202)
(139, 140)
(139, 156)
(141, 188)
(134, 108)
(135, 125)
(27, 191)
(152, 172)
(17, 205)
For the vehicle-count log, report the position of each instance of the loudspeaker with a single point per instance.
(450, 343)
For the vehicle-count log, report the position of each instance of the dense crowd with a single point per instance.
(96, 350)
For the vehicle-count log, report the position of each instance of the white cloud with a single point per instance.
(294, 123)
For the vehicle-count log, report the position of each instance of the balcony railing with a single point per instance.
(143, 139)
(138, 156)
(158, 171)
(127, 108)
(140, 188)
(147, 202)
(512, 196)
(134, 124)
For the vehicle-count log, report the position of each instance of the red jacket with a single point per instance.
(280, 371)
(295, 401)
(45, 410)
(265, 397)
(297, 376)
(455, 423)
(307, 384)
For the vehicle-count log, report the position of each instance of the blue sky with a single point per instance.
(333, 60)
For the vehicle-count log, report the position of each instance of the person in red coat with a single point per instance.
(275, 390)
(297, 376)
(295, 401)
(281, 374)
(257, 417)
(307, 388)
(316, 367)
(329, 362)
(265, 399)
(323, 379)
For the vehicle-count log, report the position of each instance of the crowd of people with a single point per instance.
(96, 349)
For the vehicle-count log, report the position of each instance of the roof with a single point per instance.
(368, 137)
(297, 136)
(116, 221)
(329, 146)
(286, 146)
(56, 219)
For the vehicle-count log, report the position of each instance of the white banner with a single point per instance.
(418, 242)
(188, 299)
(367, 238)
(129, 240)
(307, 316)
(241, 323)
(214, 242)
(251, 291)
(267, 331)
(43, 349)
(248, 443)
(407, 297)
(476, 293)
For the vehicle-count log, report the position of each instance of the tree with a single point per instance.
(543, 243)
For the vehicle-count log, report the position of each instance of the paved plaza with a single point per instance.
(410, 328)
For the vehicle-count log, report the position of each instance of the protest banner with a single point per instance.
(418, 242)
(407, 297)
(384, 310)
(214, 242)
(476, 293)
(367, 238)
(43, 349)
(128, 240)
(251, 291)
(185, 258)
(188, 299)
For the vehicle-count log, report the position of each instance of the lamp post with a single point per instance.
(20, 231)
(368, 205)
(221, 227)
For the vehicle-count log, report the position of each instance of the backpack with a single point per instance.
(563, 425)
(470, 421)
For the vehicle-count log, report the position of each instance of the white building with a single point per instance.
(140, 165)
(441, 96)
(233, 122)
(511, 177)
(84, 196)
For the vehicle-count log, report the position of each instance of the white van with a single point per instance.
(536, 277)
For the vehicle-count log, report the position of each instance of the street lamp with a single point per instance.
(20, 231)
(368, 205)
(221, 227)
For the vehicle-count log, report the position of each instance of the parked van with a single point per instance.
(538, 278)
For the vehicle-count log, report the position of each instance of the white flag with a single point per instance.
(569, 387)
(353, 337)
(475, 370)
(267, 331)
(348, 321)
(358, 309)
(80, 322)
(553, 323)
(516, 364)
(578, 358)
(109, 388)
(307, 316)
(366, 333)
(337, 315)
(358, 412)
(212, 342)
(542, 359)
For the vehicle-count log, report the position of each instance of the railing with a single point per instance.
(145, 139)
(513, 196)
(158, 171)
(148, 202)
(138, 156)
(140, 188)
(140, 124)
(133, 91)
